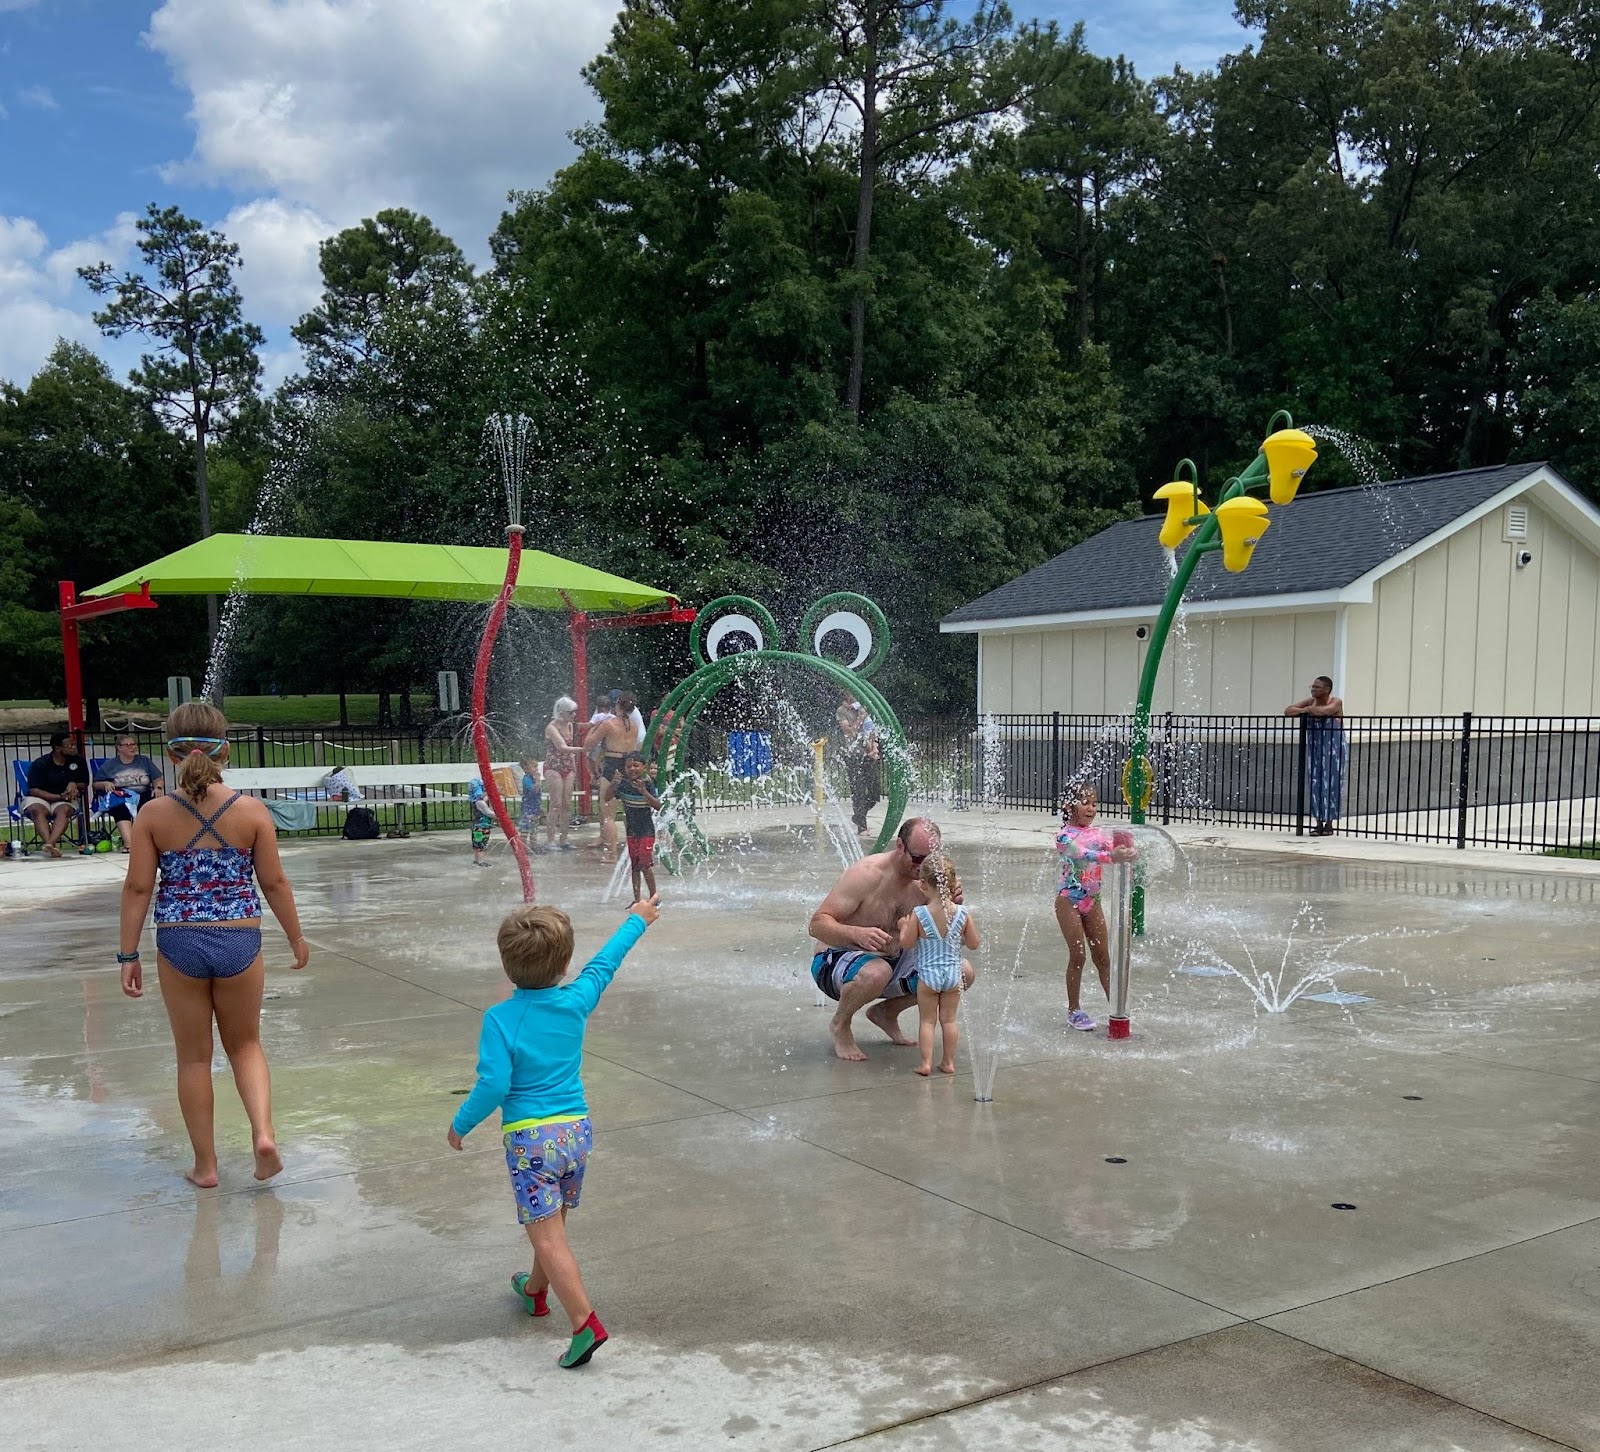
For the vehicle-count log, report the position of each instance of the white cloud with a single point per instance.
(16, 4)
(278, 241)
(40, 96)
(348, 106)
(41, 298)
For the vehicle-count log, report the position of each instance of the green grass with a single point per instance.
(1574, 849)
(258, 710)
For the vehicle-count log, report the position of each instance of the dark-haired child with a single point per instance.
(637, 794)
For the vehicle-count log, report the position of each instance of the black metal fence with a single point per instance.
(1528, 782)
(1472, 781)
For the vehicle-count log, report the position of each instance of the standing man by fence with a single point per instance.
(1323, 728)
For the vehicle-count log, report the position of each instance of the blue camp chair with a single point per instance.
(21, 824)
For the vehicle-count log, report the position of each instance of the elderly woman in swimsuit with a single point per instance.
(209, 843)
(561, 754)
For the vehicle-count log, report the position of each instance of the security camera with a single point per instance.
(1524, 557)
(1141, 632)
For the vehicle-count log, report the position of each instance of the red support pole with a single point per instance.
(578, 630)
(480, 720)
(69, 656)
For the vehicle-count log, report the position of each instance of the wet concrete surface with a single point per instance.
(793, 1252)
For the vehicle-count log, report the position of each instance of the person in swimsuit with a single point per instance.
(1085, 850)
(639, 804)
(935, 933)
(207, 841)
(617, 737)
(560, 771)
(856, 954)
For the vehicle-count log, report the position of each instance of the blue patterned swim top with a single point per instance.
(207, 884)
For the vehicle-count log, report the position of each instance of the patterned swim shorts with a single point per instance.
(546, 1162)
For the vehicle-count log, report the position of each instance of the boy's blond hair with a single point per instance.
(940, 872)
(535, 946)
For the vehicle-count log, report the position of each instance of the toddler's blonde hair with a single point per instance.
(535, 946)
(938, 871)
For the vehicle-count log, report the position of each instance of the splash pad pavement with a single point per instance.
(1135, 1245)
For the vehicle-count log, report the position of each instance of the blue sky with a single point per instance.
(283, 120)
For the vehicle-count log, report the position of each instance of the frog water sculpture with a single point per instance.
(735, 636)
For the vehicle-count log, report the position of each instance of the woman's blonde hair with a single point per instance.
(191, 730)
(564, 705)
(940, 872)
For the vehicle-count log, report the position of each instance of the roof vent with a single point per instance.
(1516, 522)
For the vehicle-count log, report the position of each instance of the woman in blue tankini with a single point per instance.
(1325, 752)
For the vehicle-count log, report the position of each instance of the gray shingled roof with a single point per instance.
(1323, 541)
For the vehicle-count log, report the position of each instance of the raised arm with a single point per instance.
(600, 969)
(969, 935)
(275, 886)
(1299, 708)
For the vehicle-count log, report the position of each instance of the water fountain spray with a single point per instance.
(508, 436)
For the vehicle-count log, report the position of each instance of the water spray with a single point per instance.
(509, 436)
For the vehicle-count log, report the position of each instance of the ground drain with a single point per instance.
(1342, 1205)
(1116, 1160)
(1411, 1096)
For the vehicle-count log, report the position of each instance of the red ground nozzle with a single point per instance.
(1117, 1028)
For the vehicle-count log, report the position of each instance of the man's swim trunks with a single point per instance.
(832, 968)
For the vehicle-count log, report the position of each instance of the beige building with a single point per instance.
(1477, 590)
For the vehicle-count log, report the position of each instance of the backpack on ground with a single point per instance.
(360, 825)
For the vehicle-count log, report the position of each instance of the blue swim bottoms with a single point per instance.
(832, 968)
(200, 950)
(547, 1163)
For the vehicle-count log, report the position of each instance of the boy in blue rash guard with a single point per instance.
(529, 1054)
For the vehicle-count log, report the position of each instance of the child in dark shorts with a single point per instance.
(637, 794)
(530, 1051)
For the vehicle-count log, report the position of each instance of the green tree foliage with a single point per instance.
(90, 482)
(900, 296)
(183, 296)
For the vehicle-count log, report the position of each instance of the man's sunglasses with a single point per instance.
(917, 858)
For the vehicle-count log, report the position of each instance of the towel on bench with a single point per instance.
(291, 815)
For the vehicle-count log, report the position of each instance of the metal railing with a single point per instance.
(1525, 782)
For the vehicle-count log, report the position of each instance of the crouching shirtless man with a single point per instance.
(857, 955)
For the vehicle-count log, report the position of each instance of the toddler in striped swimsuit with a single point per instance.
(936, 931)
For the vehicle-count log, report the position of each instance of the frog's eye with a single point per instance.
(730, 626)
(848, 628)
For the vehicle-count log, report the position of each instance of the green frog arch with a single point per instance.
(732, 618)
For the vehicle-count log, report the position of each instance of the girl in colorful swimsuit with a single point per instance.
(208, 843)
(1084, 850)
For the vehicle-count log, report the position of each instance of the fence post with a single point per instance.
(1055, 760)
(1300, 778)
(1464, 781)
(1163, 777)
(316, 749)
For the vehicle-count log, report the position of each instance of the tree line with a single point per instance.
(858, 294)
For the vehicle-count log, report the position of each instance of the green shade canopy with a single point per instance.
(264, 564)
